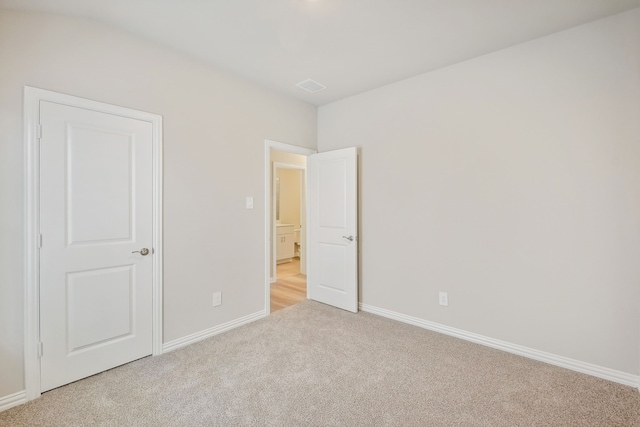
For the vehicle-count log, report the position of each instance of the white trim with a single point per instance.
(12, 400)
(31, 255)
(207, 333)
(553, 359)
(32, 98)
(282, 165)
(158, 245)
(287, 148)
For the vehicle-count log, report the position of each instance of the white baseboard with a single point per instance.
(199, 336)
(553, 359)
(12, 400)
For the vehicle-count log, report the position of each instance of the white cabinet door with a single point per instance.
(285, 247)
(288, 248)
(95, 210)
(332, 277)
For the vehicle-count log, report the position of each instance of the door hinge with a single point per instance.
(39, 131)
(40, 241)
(40, 349)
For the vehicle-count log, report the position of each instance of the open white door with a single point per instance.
(332, 277)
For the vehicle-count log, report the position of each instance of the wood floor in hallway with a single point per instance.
(290, 287)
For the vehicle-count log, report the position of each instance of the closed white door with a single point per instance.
(95, 213)
(332, 277)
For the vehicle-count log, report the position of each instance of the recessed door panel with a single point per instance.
(100, 306)
(332, 193)
(333, 278)
(99, 209)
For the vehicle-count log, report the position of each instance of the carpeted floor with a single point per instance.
(312, 365)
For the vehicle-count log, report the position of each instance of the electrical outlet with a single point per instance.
(443, 298)
(217, 298)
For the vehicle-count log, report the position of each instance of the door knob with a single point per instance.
(143, 252)
(349, 238)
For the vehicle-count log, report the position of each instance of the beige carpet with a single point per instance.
(312, 365)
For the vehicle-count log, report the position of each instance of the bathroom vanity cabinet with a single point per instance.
(285, 238)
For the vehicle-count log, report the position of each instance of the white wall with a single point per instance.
(214, 131)
(290, 182)
(512, 182)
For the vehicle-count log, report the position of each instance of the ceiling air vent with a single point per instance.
(311, 86)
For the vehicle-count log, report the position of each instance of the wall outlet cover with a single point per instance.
(217, 298)
(443, 298)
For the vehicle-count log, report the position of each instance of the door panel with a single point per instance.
(100, 306)
(332, 209)
(334, 278)
(95, 210)
(93, 154)
(333, 248)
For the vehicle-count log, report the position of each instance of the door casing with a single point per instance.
(32, 98)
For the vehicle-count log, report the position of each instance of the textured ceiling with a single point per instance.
(347, 45)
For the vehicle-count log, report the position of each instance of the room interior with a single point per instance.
(501, 166)
(289, 286)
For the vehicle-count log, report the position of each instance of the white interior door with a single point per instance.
(332, 238)
(95, 211)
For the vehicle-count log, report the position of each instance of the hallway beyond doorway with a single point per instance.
(290, 287)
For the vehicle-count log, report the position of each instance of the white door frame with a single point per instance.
(269, 245)
(32, 98)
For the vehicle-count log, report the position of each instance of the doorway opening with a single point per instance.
(97, 345)
(285, 224)
(288, 202)
(328, 226)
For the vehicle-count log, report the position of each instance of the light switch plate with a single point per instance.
(249, 202)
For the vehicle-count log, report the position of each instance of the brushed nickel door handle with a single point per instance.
(143, 252)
